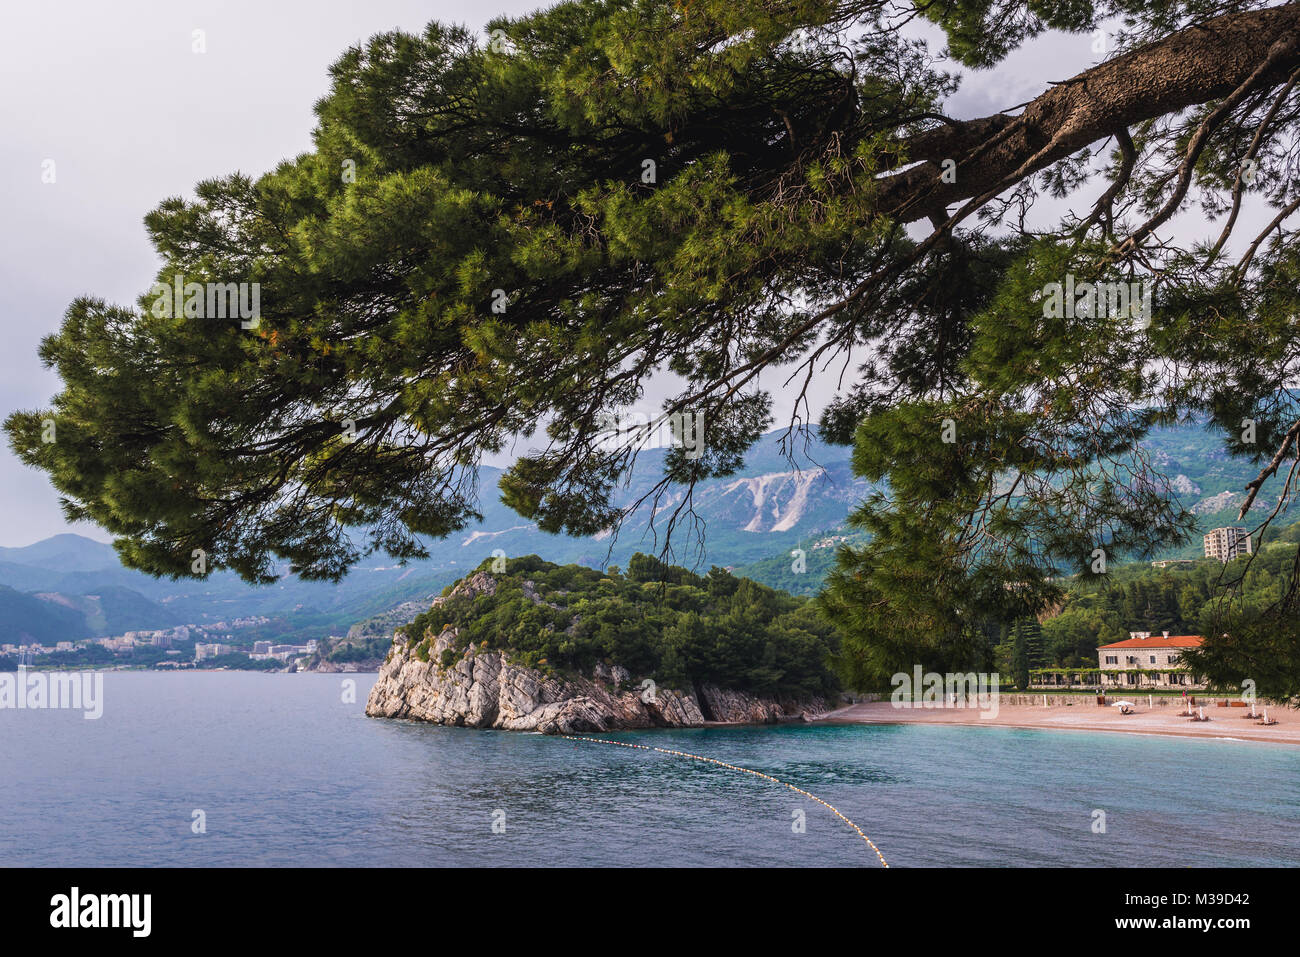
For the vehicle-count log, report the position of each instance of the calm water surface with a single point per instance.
(287, 773)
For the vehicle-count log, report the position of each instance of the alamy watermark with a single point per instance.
(208, 300)
(922, 689)
(631, 429)
(1117, 300)
(76, 909)
(53, 690)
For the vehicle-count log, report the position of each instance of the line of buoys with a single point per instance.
(736, 767)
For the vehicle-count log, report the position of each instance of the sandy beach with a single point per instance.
(1224, 723)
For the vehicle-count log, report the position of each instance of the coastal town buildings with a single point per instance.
(1144, 660)
(159, 639)
(1140, 662)
(1225, 544)
(204, 650)
(170, 641)
(30, 650)
(265, 649)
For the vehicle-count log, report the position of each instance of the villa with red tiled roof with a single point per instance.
(1144, 660)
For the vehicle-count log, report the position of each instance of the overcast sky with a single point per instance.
(114, 95)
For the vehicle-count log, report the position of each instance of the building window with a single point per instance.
(1112, 659)
(1153, 659)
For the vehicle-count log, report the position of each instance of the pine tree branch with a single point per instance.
(1197, 65)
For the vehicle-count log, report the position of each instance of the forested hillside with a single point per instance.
(1138, 597)
(654, 619)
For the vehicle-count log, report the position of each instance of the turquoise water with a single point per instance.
(286, 773)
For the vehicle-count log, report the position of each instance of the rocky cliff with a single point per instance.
(483, 689)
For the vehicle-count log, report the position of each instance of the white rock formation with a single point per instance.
(483, 689)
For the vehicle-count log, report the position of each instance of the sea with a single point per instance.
(245, 769)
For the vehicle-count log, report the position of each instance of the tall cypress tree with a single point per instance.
(1035, 651)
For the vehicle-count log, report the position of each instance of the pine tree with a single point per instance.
(1032, 633)
(512, 237)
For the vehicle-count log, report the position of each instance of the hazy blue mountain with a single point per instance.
(1205, 480)
(25, 618)
(66, 553)
(114, 610)
(750, 521)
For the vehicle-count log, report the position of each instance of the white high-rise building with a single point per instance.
(1225, 544)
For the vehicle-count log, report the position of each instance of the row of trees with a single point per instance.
(1196, 599)
(1021, 649)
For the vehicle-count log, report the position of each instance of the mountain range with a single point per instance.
(69, 586)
